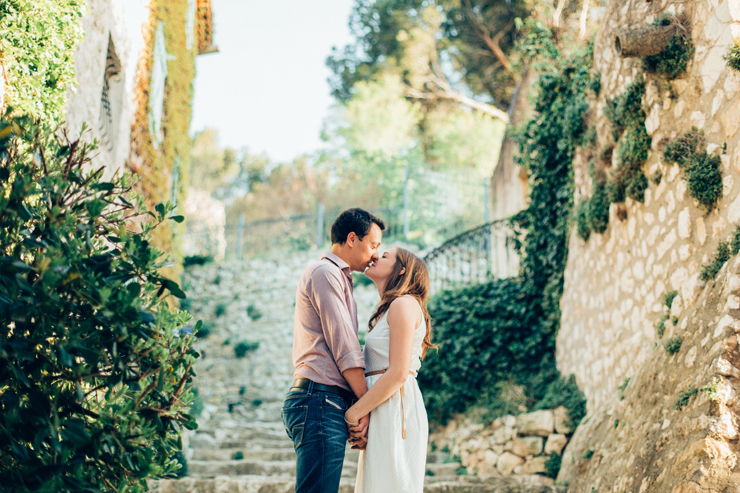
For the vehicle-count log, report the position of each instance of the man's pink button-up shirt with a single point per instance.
(325, 342)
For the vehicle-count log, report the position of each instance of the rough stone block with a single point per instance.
(540, 423)
(525, 446)
(555, 444)
(535, 465)
(507, 462)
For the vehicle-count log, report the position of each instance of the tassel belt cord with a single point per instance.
(403, 400)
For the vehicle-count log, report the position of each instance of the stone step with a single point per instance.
(437, 457)
(443, 470)
(285, 484)
(279, 454)
(208, 442)
(214, 468)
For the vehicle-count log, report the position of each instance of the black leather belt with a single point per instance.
(304, 383)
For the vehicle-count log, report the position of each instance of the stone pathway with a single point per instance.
(240, 445)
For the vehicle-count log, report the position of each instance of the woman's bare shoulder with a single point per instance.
(403, 309)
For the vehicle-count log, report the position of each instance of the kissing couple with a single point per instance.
(343, 393)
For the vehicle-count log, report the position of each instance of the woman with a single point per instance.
(394, 458)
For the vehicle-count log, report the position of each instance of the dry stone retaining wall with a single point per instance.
(662, 433)
(614, 282)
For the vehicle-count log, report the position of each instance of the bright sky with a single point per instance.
(267, 87)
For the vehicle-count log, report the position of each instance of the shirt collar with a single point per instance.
(334, 259)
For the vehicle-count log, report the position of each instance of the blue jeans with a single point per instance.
(315, 423)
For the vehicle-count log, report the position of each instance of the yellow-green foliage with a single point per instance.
(37, 41)
(156, 166)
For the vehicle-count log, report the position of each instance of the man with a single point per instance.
(329, 365)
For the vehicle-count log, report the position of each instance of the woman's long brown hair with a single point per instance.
(414, 282)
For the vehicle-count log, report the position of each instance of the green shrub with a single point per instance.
(242, 389)
(179, 457)
(732, 57)
(238, 455)
(588, 454)
(565, 392)
(616, 424)
(684, 397)
(625, 111)
(196, 260)
(257, 402)
(722, 255)
(712, 390)
(95, 372)
(243, 347)
(583, 226)
(205, 329)
(220, 309)
(673, 345)
(660, 326)
(735, 243)
(701, 170)
(675, 58)
(669, 297)
(429, 472)
(253, 312)
(598, 207)
(552, 465)
(360, 279)
(37, 45)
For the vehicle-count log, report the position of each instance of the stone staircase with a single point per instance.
(241, 445)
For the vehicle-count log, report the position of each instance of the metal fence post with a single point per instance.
(320, 226)
(239, 233)
(406, 201)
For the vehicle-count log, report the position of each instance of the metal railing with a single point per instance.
(475, 256)
(276, 235)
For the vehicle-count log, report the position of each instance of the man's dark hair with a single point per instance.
(355, 221)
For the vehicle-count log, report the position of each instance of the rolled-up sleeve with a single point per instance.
(327, 295)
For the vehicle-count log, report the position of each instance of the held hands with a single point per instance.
(357, 429)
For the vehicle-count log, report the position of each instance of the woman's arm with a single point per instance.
(403, 318)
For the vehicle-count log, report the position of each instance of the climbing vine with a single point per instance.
(498, 340)
(167, 165)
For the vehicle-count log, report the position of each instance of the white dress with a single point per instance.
(391, 463)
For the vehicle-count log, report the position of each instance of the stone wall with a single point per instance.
(121, 21)
(641, 439)
(614, 282)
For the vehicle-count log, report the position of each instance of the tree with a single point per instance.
(432, 44)
(95, 366)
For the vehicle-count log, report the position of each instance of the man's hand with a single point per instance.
(360, 430)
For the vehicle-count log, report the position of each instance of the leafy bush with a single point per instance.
(205, 329)
(701, 170)
(735, 244)
(220, 309)
(674, 59)
(243, 347)
(684, 397)
(552, 465)
(583, 226)
(37, 45)
(625, 111)
(673, 345)
(660, 326)
(254, 313)
(712, 390)
(669, 297)
(722, 255)
(501, 334)
(196, 260)
(732, 57)
(95, 372)
(238, 455)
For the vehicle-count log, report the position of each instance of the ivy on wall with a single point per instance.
(37, 44)
(674, 59)
(497, 340)
(166, 166)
